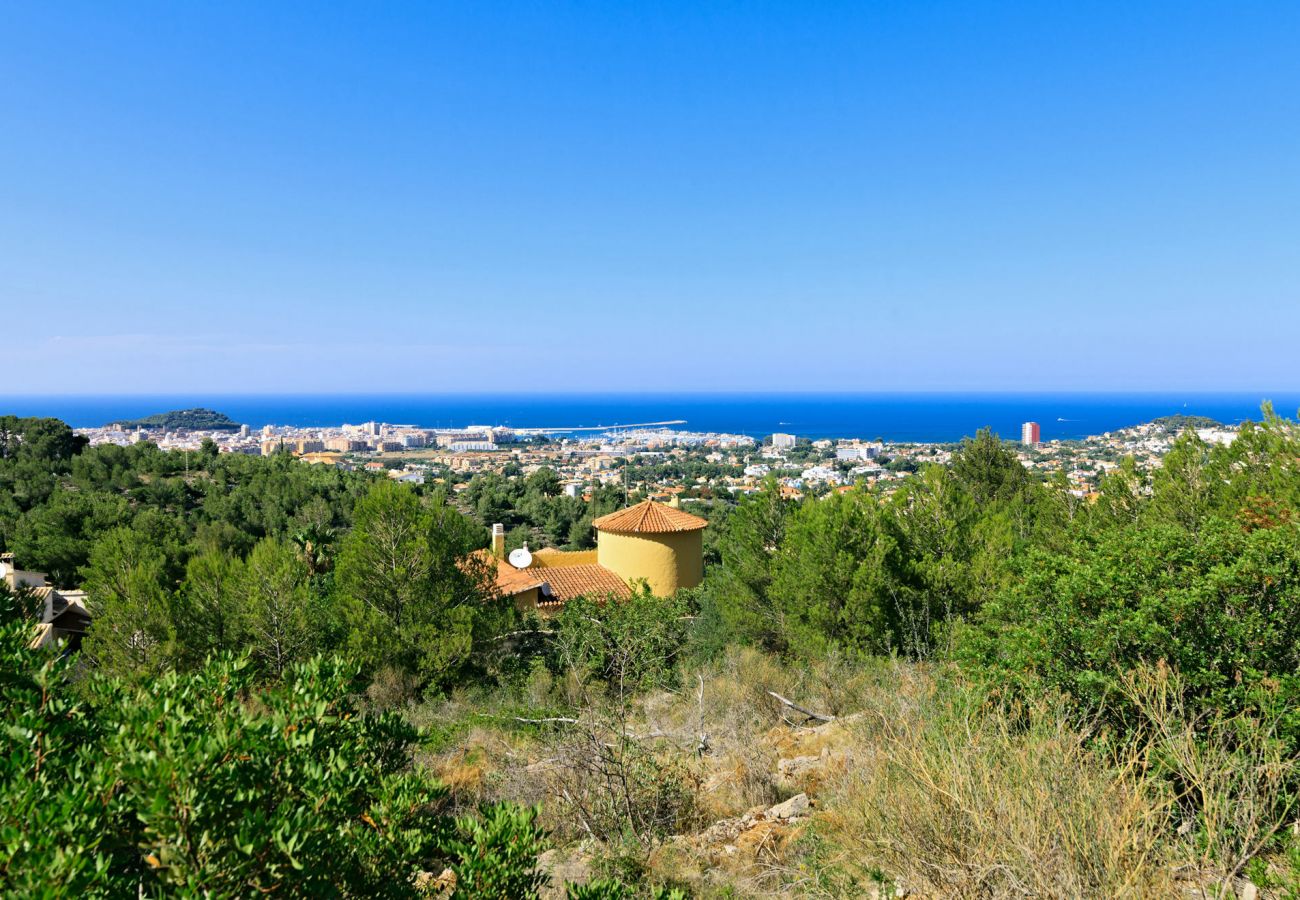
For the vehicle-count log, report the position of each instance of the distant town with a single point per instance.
(658, 460)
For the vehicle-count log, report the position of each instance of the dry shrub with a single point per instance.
(469, 770)
(464, 773)
(1234, 777)
(392, 687)
(958, 799)
(726, 708)
(615, 788)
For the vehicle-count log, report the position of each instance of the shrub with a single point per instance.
(629, 645)
(613, 786)
(494, 856)
(203, 784)
(1221, 608)
(608, 889)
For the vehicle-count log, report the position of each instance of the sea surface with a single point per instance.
(895, 416)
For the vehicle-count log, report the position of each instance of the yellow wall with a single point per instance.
(665, 561)
(548, 558)
(526, 601)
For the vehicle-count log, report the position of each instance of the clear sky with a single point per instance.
(649, 196)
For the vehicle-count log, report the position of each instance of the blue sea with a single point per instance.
(894, 416)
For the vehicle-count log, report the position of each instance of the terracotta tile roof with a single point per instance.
(590, 580)
(649, 517)
(509, 580)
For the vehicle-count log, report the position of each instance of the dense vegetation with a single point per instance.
(1177, 424)
(1146, 640)
(534, 509)
(198, 419)
(1022, 582)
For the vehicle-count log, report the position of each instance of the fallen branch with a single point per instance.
(522, 632)
(797, 708)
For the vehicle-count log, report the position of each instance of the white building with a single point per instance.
(857, 451)
(821, 473)
(16, 578)
(782, 441)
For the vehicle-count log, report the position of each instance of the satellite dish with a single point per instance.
(521, 558)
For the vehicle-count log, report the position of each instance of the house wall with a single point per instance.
(665, 561)
(526, 601)
(17, 578)
(546, 558)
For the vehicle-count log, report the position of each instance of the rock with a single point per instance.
(1247, 891)
(571, 864)
(442, 885)
(796, 806)
(799, 765)
(807, 772)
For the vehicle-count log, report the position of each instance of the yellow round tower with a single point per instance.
(650, 541)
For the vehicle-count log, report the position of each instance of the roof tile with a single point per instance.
(509, 580)
(589, 580)
(649, 517)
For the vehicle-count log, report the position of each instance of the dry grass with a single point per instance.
(1235, 780)
(957, 800)
(920, 781)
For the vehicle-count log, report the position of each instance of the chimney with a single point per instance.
(499, 541)
(675, 502)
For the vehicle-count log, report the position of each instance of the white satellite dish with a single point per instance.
(521, 558)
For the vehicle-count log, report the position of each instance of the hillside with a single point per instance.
(982, 685)
(1179, 423)
(198, 419)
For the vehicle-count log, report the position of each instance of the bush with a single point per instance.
(615, 787)
(204, 784)
(1221, 608)
(629, 645)
(494, 856)
(607, 889)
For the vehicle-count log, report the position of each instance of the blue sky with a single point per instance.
(649, 196)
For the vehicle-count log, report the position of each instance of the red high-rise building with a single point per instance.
(1029, 434)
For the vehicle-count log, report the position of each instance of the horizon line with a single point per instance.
(979, 392)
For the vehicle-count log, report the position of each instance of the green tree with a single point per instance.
(544, 482)
(1183, 489)
(1221, 608)
(836, 577)
(133, 632)
(414, 593)
(741, 589)
(988, 469)
(56, 536)
(210, 608)
(33, 454)
(276, 613)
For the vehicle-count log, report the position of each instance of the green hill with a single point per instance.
(1179, 423)
(193, 419)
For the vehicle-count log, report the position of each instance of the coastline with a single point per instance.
(899, 417)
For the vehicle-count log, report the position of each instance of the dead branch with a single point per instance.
(522, 632)
(821, 717)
